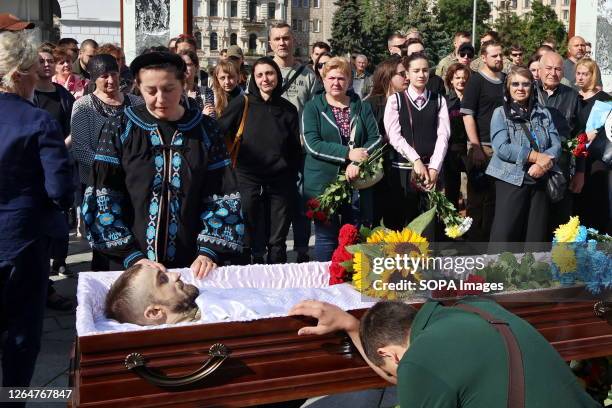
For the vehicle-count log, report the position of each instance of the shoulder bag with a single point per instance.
(234, 148)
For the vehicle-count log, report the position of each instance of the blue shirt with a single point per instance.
(35, 174)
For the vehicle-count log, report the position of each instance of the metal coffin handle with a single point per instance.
(603, 309)
(136, 362)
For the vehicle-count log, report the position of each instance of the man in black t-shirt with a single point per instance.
(58, 102)
(483, 93)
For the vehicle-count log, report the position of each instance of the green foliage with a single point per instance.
(347, 29)
(456, 15)
(515, 275)
(532, 28)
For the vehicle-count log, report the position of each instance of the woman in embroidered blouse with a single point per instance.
(525, 147)
(75, 84)
(161, 192)
(202, 95)
(339, 133)
(418, 128)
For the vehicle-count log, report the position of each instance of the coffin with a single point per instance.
(265, 361)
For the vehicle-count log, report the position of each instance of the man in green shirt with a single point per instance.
(444, 357)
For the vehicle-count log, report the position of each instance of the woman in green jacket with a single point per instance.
(339, 133)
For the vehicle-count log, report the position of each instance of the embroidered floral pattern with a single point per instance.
(103, 217)
(221, 222)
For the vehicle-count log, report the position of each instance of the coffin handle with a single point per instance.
(136, 362)
(603, 309)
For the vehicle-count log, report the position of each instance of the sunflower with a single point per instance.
(377, 236)
(568, 232)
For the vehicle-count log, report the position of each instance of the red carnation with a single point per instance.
(337, 274)
(471, 279)
(582, 138)
(348, 235)
(313, 203)
(310, 214)
(320, 216)
(341, 254)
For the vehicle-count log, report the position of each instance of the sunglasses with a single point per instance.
(466, 55)
(522, 84)
(517, 54)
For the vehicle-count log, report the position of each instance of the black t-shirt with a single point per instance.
(482, 95)
(51, 102)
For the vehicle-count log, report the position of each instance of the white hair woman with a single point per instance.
(36, 183)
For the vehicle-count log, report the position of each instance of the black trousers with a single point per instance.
(23, 287)
(267, 206)
(521, 213)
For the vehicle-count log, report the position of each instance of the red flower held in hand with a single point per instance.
(320, 216)
(310, 214)
(349, 235)
(582, 139)
(313, 204)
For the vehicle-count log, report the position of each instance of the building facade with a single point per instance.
(561, 7)
(83, 19)
(311, 21)
(217, 24)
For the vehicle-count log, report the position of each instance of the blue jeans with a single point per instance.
(301, 223)
(23, 288)
(326, 233)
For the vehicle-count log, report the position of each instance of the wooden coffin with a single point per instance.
(268, 362)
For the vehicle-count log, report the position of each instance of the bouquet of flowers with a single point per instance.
(339, 192)
(577, 146)
(455, 225)
(581, 253)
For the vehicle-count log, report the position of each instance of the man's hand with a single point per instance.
(202, 266)
(331, 318)
(352, 172)
(591, 135)
(576, 183)
(152, 264)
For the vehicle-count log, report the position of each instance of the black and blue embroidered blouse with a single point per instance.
(162, 191)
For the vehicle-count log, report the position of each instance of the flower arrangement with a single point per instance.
(582, 254)
(455, 225)
(339, 192)
(578, 146)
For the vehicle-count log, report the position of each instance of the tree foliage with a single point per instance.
(347, 28)
(456, 15)
(530, 29)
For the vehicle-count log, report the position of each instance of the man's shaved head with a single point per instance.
(551, 70)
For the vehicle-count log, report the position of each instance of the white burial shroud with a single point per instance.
(231, 293)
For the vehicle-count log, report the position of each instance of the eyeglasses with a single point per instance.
(466, 55)
(320, 65)
(402, 73)
(521, 84)
(517, 54)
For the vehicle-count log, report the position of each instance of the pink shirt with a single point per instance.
(394, 129)
(75, 84)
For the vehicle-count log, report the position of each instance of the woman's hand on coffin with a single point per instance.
(330, 318)
(152, 264)
(202, 266)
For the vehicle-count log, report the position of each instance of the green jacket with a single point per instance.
(326, 156)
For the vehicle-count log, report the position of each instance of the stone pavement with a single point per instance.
(59, 327)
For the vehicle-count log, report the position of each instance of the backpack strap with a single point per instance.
(516, 373)
(291, 80)
(235, 146)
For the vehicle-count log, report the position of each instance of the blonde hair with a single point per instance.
(18, 52)
(337, 63)
(592, 67)
(220, 94)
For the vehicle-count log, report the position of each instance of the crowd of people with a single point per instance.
(166, 164)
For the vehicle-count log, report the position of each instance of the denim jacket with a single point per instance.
(511, 146)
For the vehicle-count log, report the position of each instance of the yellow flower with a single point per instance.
(568, 232)
(564, 257)
(377, 236)
(453, 231)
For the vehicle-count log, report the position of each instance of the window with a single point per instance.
(213, 10)
(253, 10)
(214, 42)
(316, 25)
(198, 38)
(316, 3)
(294, 24)
(233, 39)
(299, 26)
(553, 2)
(305, 3)
(565, 15)
(527, 4)
(234, 9)
(252, 43)
(566, 3)
(271, 10)
(513, 3)
(295, 3)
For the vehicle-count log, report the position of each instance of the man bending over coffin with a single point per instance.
(446, 357)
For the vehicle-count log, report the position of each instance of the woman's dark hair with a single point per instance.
(192, 56)
(385, 71)
(155, 48)
(166, 66)
(450, 73)
(254, 89)
(534, 58)
(186, 38)
(414, 57)
(314, 65)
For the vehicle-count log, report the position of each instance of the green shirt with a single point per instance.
(457, 359)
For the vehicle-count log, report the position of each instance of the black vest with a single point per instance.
(423, 133)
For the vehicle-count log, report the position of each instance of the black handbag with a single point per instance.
(556, 183)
